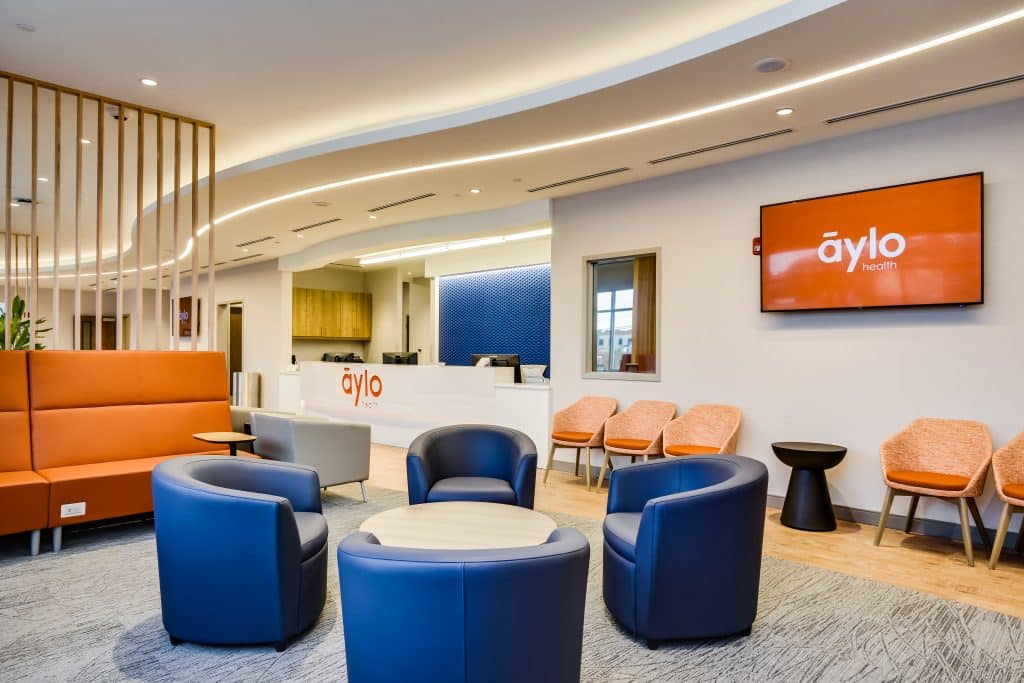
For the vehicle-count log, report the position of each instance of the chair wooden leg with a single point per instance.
(965, 531)
(910, 513)
(1004, 526)
(604, 469)
(577, 470)
(551, 459)
(588, 468)
(986, 542)
(883, 518)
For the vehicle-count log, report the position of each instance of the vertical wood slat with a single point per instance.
(139, 243)
(194, 289)
(119, 295)
(77, 331)
(211, 318)
(159, 296)
(98, 325)
(8, 229)
(32, 263)
(176, 280)
(55, 269)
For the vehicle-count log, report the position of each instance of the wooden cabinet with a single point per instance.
(326, 314)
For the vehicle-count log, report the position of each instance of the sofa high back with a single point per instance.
(16, 454)
(101, 420)
(93, 407)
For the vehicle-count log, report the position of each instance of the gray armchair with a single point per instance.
(338, 451)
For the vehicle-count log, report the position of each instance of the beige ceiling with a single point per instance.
(836, 37)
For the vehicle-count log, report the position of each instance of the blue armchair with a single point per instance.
(462, 616)
(682, 546)
(472, 462)
(241, 549)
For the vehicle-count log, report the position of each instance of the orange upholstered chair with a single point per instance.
(1008, 468)
(24, 495)
(945, 459)
(581, 425)
(704, 428)
(102, 420)
(635, 432)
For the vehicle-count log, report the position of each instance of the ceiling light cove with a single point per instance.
(772, 93)
(428, 249)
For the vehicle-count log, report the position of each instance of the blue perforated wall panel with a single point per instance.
(496, 311)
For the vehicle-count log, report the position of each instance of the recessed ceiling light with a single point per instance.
(475, 190)
(43, 180)
(373, 216)
(86, 141)
(27, 28)
(15, 204)
(245, 250)
(321, 203)
(770, 65)
(785, 111)
(300, 235)
(148, 82)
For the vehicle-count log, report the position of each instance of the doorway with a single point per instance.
(108, 333)
(230, 318)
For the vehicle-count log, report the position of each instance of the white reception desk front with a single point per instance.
(400, 402)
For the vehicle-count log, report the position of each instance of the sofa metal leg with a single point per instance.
(58, 536)
(33, 541)
(175, 641)
(652, 644)
(362, 487)
(281, 645)
(745, 632)
(910, 513)
(883, 518)
(965, 531)
(1004, 525)
(551, 459)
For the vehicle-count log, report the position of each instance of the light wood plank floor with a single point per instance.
(920, 563)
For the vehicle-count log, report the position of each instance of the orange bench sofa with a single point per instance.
(100, 422)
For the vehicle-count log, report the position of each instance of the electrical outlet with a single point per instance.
(72, 510)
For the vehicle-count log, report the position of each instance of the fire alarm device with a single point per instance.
(756, 246)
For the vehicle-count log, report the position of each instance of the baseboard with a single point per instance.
(926, 527)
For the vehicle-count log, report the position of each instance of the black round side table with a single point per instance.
(808, 505)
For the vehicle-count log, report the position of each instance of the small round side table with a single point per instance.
(808, 505)
(232, 439)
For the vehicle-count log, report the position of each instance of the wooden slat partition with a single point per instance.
(24, 262)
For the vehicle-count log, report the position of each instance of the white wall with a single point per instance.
(334, 279)
(421, 318)
(266, 296)
(849, 377)
(385, 287)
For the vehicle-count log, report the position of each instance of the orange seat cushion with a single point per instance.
(109, 489)
(572, 437)
(689, 449)
(628, 444)
(929, 480)
(1014, 491)
(23, 501)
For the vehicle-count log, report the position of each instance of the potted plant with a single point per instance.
(19, 326)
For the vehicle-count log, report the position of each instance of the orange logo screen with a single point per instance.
(896, 246)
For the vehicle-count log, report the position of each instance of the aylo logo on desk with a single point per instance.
(361, 386)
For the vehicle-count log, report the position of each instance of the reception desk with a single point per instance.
(400, 402)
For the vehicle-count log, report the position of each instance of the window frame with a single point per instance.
(590, 311)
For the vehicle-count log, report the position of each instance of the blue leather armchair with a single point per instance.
(472, 462)
(241, 548)
(464, 616)
(682, 546)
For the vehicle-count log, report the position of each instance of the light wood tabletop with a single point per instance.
(460, 525)
(232, 439)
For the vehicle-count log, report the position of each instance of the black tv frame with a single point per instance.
(981, 200)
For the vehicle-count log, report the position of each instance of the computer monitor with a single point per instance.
(401, 358)
(501, 360)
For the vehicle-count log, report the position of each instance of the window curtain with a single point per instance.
(645, 312)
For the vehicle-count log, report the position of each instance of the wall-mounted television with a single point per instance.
(917, 244)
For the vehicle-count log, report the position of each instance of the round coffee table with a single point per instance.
(808, 505)
(460, 525)
(232, 439)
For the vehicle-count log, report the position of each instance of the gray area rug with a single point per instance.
(92, 613)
